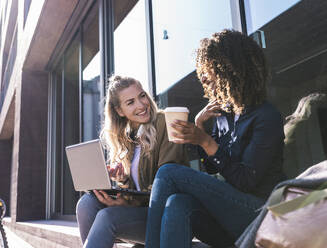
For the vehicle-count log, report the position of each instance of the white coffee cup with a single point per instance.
(174, 113)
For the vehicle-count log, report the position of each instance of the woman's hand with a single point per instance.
(109, 201)
(211, 110)
(117, 173)
(189, 133)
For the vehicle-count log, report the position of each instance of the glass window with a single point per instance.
(71, 121)
(260, 12)
(178, 28)
(130, 49)
(8, 70)
(297, 55)
(71, 125)
(92, 109)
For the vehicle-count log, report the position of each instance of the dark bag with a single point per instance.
(296, 218)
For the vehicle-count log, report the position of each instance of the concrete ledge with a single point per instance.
(50, 234)
(57, 234)
(15, 241)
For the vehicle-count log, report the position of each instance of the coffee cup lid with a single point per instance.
(177, 109)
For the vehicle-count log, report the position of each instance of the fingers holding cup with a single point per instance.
(171, 115)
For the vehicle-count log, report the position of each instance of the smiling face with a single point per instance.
(210, 86)
(134, 105)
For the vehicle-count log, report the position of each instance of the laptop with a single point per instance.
(89, 171)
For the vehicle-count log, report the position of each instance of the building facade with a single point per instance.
(55, 57)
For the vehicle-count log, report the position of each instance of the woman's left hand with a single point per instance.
(108, 200)
(187, 133)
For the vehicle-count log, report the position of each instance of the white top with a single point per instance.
(135, 166)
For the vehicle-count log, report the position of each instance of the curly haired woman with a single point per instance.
(246, 148)
(135, 136)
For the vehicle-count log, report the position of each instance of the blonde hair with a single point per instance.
(116, 132)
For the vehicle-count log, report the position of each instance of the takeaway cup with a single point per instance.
(174, 113)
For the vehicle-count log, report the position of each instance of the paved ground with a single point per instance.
(14, 241)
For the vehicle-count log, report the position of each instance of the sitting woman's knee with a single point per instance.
(179, 201)
(179, 207)
(107, 214)
(84, 204)
(166, 169)
(87, 204)
(108, 217)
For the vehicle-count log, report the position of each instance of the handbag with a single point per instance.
(296, 218)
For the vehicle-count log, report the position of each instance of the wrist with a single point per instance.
(205, 141)
(209, 145)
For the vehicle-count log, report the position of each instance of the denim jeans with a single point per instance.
(100, 225)
(186, 203)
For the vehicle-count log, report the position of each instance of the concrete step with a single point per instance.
(15, 241)
(49, 234)
(52, 234)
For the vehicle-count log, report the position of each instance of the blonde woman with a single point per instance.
(135, 136)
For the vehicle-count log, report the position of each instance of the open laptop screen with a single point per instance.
(89, 171)
(87, 166)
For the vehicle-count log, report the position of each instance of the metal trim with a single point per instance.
(50, 136)
(62, 135)
(150, 47)
(80, 83)
(243, 16)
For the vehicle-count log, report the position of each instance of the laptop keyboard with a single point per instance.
(115, 190)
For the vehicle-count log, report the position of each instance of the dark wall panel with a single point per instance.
(31, 188)
(5, 168)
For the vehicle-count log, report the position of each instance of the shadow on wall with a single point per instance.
(306, 134)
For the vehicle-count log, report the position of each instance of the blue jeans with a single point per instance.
(186, 203)
(100, 225)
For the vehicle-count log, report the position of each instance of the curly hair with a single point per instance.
(116, 131)
(236, 65)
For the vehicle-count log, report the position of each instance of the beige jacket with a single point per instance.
(164, 152)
